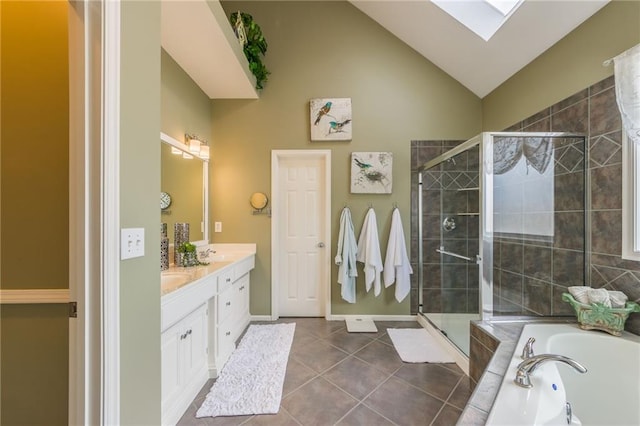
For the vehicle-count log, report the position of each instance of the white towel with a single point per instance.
(369, 252)
(397, 267)
(346, 257)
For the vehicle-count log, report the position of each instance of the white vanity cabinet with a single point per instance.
(200, 322)
(184, 355)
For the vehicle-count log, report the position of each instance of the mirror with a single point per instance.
(258, 200)
(184, 189)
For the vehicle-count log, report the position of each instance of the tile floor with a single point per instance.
(339, 378)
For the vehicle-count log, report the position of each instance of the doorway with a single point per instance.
(301, 233)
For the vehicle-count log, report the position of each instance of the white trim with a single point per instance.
(110, 279)
(461, 359)
(630, 199)
(338, 317)
(276, 155)
(79, 392)
(40, 295)
(261, 318)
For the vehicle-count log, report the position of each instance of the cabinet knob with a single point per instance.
(189, 332)
(241, 288)
(228, 333)
(228, 303)
(228, 280)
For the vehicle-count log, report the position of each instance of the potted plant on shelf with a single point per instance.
(253, 43)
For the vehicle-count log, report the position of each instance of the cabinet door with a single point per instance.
(195, 343)
(170, 368)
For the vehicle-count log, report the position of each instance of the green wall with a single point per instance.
(139, 195)
(185, 109)
(319, 50)
(34, 216)
(572, 64)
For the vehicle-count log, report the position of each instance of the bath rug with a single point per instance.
(251, 380)
(416, 345)
(361, 325)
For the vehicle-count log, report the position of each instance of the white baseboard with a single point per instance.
(373, 317)
(461, 359)
(261, 318)
(344, 317)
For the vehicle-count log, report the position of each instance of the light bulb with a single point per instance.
(204, 152)
(194, 145)
(175, 150)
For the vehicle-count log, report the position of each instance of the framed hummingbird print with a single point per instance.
(330, 119)
(371, 172)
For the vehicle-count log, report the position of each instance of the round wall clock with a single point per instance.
(165, 200)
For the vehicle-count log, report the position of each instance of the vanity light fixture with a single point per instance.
(175, 150)
(193, 142)
(197, 146)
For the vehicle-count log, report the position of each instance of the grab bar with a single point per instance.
(448, 253)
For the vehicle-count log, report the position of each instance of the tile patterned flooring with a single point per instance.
(338, 378)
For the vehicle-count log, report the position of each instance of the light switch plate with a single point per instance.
(217, 227)
(131, 243)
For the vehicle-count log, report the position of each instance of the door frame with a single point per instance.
(94, 212)
(276, 158)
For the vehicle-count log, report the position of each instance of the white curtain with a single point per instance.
(627, 74)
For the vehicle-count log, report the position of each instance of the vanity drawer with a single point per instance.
(225, 306)
(225, 343)
(225, 278)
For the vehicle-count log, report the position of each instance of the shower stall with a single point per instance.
(501, 229)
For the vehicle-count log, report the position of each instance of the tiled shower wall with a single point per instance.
(593, 112)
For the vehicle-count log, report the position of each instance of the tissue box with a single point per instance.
(596, 316)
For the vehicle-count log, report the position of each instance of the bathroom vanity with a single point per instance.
(204, 309)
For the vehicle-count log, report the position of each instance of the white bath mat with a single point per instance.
(360, 325)
(251, 380)
(417, 345)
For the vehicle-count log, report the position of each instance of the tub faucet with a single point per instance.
(528, 366)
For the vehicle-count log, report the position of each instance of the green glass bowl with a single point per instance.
(596, 316)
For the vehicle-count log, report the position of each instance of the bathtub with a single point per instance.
(607, 394)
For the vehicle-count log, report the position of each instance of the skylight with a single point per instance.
(483, 17)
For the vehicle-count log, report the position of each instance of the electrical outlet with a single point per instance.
(131, 243)
(218, 227)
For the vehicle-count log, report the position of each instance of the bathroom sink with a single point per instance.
(172, 280)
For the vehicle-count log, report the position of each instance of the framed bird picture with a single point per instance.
(371, 172)
(330, 119)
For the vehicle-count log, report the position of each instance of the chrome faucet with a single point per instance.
(528, 366)
(527, 351)
(204, 254)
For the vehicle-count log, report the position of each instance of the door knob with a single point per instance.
(320, 244)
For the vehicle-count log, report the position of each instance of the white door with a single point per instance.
(301, 235)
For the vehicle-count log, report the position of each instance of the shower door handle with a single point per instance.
(320, 244)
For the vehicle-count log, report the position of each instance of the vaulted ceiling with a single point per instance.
(480, 65)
